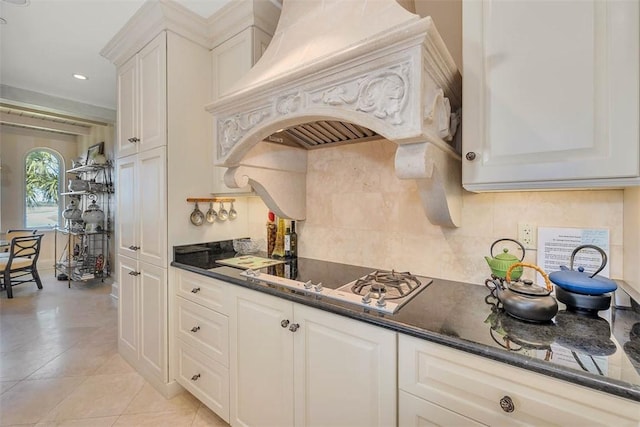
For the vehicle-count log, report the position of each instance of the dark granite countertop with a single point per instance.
(601, 353)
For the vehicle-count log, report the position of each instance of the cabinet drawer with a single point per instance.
(415, 412)
(203, 329)
(211, 293)
(474, 386)
(206, 379)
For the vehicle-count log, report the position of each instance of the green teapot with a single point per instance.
(500, 263)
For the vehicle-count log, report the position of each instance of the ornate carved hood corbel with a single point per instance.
(338, 72)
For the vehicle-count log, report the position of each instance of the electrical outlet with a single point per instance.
(527, 235)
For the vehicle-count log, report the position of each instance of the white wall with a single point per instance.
(447, 15)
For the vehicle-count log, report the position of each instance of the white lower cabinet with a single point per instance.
(142, 318)
(439, 385)
(295, 365)
(201, 329)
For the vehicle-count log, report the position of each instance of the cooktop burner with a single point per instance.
(381, 291)
(392, 284)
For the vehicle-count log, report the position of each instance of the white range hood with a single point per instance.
(338, 72)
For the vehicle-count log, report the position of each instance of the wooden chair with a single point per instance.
(21, 265)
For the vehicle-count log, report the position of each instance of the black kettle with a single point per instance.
(525, 300)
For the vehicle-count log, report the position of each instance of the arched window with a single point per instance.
(43, 180)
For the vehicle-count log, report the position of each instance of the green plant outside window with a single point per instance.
(42, 187)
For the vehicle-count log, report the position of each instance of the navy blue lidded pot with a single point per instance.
(580, 281)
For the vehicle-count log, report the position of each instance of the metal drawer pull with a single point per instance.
(294, 327)
(507, 404)
(195, 290)
(134, 273)
(471, 156)
(134, 248)
(133, 140)
(195, 329)
(284, 323)
(195, 377)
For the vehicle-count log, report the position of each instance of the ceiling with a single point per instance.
(45, 42)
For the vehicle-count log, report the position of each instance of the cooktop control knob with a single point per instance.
(318, 287)
(308, 284)
(367, 298)
(381, 302)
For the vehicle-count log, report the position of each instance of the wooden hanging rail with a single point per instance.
(210, 199)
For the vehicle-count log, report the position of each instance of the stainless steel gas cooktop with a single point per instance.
(380, 291)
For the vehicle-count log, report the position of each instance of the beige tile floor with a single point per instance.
(59, 364)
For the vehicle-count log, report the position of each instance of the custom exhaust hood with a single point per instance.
(339, 72)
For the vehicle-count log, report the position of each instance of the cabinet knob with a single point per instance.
(195, 377)
(284, 323)
(134, 248)
(134, 273)
(195, 290)
(133, 140)
(470, 156)
(195, 329)
(507, 404)
(294, 327)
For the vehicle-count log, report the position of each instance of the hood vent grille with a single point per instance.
(322, 133)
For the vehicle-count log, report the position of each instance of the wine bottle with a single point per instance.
(287, 243)
(294, 240)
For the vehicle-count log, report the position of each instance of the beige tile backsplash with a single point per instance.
(359, 212)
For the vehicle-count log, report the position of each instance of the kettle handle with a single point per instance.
(535, 267)
(508, 240)
(602, 254)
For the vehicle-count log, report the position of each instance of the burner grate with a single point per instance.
(392, 284)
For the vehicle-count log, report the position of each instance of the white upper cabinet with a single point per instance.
(551, 94)
(233, 58)
(142, 99)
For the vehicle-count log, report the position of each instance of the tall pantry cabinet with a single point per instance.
(164, 133)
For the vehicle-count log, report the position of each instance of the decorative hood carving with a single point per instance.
(338, 72)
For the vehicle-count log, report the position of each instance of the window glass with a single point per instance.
(42, 177)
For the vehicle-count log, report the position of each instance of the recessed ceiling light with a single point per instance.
(80, 76)
(18, 2)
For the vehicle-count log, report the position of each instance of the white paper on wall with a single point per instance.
(555, 246)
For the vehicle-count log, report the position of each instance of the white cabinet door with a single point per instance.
(261, 361)
(128, 297)
(142, 99)
(152, 317)
(126, 225)
(127, 108)
(345, 371)
(550, 94)
(142, 317)
(153, 93)
(230, 61)
(295, 365)
(152, 206)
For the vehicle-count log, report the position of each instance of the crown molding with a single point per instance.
(152, 18)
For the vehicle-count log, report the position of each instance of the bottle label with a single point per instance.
(287, 243)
